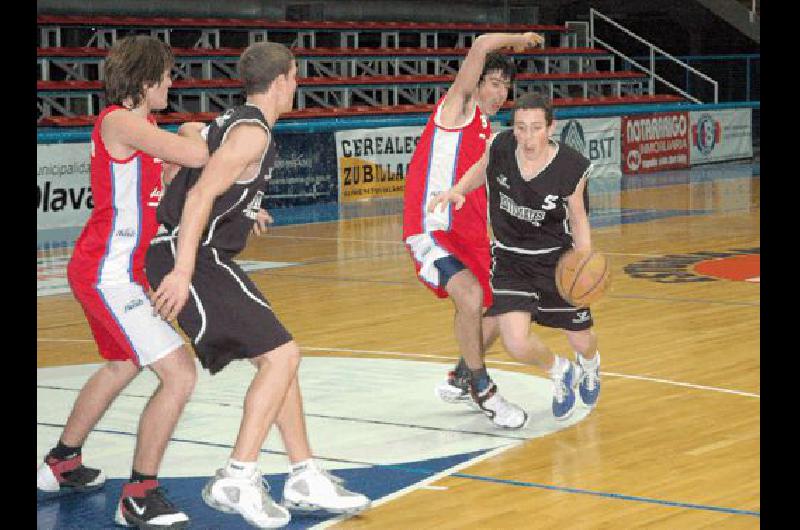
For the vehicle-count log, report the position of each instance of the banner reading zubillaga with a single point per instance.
(719, 135)
(63, 189)
(372, 163)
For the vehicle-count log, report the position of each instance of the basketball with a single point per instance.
(582, 278)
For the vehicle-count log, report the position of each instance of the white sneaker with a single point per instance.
(311, 488)
(502, 413)
(589, 387)
(249, 497)
(455, 390)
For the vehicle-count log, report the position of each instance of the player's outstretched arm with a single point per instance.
(243, 147)
(470, 72)
(187, 148)
(578, 219)
(472, 179)
(189, 129)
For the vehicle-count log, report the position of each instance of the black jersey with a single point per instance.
(233, 212)
(531, 217)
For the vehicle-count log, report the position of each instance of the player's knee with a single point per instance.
(581, 341)
(516, 343)
(178, 373)
(469, 297)
(184, 383)
(288, 356)
(121, 369)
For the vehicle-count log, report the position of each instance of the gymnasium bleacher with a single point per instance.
(345, 68)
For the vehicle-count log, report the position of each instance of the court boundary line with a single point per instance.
(453, 472)
(515, 363)
(488, 361)
(495, 435)
(422, 483)
(619, 496)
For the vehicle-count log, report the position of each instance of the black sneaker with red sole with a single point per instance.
(145, 505)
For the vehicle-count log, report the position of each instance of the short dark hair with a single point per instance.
(532, 100)
(261, 63)
(133, 63)
(497, 61)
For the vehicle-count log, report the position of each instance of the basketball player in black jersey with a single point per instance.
(536, 191)
(207, 215)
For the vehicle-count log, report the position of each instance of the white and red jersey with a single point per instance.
(441, 158)
(112, 245)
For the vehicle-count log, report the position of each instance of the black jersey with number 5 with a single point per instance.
(234, 212)
(531, 217)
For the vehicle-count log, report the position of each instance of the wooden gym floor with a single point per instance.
(674, 440)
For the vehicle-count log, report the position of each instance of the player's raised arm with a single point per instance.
(470, 72)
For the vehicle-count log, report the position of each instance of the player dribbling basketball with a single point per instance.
(536, 191)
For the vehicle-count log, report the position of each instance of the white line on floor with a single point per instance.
(489, 361)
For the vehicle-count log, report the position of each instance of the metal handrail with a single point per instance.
(651, 71)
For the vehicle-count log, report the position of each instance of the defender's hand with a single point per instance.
(171, 295)
(444, 198)
(263, 218)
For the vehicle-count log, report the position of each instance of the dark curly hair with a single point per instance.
(497, 61)
(132, 64)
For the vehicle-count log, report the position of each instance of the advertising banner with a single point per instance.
(598, 139)
(63, 189)
(655, 142)
(719, 135)
(372, 163)
(304, 171)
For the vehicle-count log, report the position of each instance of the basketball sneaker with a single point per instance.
(564, 386)
(248, 496)
(144, 505)
(454, 390)
(589, 387)
(310, 488)
(502, 413)
(55, 477)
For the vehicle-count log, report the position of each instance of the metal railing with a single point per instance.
(593, 14)
(739, 75)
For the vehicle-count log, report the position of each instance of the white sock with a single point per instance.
(560, 365)
(590, 364)
(301, 466)
(238, 469)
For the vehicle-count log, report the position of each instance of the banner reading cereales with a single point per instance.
(719, 135)
(63, 187)
(373, 163)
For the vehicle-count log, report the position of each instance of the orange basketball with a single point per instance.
(582, 278)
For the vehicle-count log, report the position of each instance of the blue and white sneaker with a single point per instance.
(590, 382)
(564, 386)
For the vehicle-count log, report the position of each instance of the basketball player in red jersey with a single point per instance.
(106, 275)
(450, 248)
(537, 210)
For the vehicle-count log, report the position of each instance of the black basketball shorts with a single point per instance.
(226, 317)
(522, 282)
